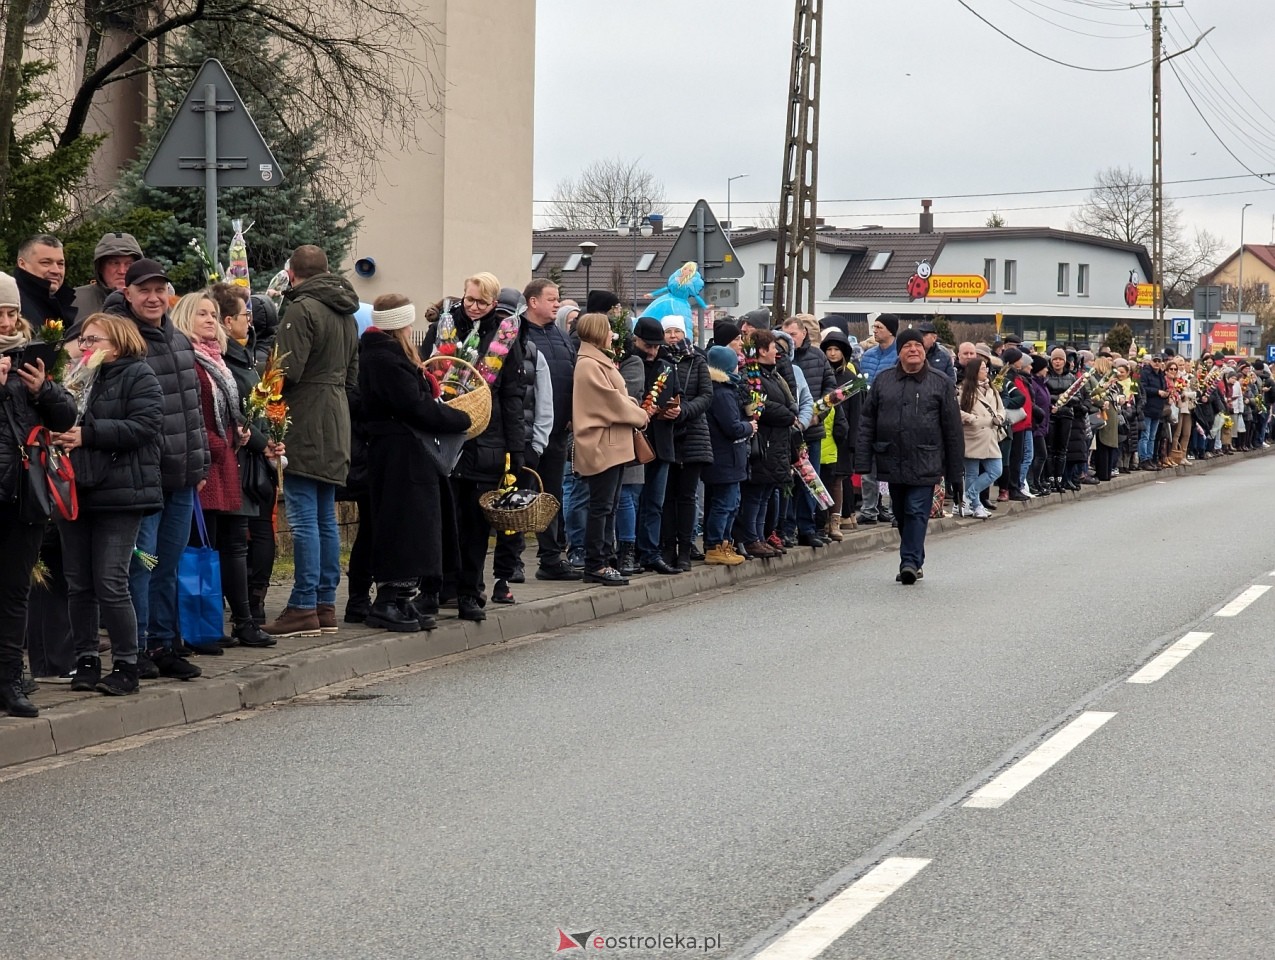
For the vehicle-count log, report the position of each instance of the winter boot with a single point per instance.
(387, 614)
(834, 527)
(358, 607)
(723, 554)
(13, 701)
(629, 566)
(121, 681)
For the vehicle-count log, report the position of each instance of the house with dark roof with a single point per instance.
(1259, 275)
(629, 266)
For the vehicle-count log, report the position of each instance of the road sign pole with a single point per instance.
(210, 169)
(699, 258)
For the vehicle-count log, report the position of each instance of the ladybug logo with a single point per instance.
(1131, 291)
(919, 282)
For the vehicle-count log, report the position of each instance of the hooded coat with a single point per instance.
(318, 340)
(770, 451)
(90, 298)
(728, 431)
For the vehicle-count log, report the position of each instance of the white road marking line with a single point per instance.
(1240, 603)
(822, 928)
(1157, 667)
(1004, 787)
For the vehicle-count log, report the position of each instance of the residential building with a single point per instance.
(1259, 275)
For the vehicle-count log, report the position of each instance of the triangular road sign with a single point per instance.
(243, 159)
(719, 262)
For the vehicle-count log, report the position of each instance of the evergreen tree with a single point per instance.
(304, 208)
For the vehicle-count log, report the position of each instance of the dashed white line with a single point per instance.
(1240, 603)
(821, 929)
(1003, 787)
(1157, 667)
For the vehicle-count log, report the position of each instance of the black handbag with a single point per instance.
(256, 479)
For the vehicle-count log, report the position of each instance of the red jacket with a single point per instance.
(223, 490)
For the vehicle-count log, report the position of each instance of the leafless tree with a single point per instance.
(768, 219)
(606, 192)
(1119, 208)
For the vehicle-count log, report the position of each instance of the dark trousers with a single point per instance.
(677, 529)
(228, 535)
(553, 541)
(1014, 465)
(19, 546)
(359, 575)
(97, 550)
(599, 528)
(261, 550)
(750, 522)
(472, 534)
(1105, 460)
(1039, 469)
(1059, 435)
(49, 649)
(912, 510)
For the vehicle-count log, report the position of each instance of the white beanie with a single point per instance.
(9, 292)
(673, 322)
(394, 319)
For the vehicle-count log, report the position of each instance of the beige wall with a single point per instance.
(460, 201)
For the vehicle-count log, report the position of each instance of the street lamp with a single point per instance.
(1239, 297)
(631, 225)
(587, 248)
(730, 224)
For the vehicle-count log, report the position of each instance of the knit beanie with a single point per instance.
(600, 301)
(758, 319)
(723, 358)
(673, 322)
(395, 319)
(1011, 355)
(908, 336)
(890, 322)
(1039, 364)
(9, 292)
(725, 332)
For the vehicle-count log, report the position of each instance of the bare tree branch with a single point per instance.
(606, 192)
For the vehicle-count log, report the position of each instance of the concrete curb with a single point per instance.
(91, 722)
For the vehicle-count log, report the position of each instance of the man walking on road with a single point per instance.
(911, 429)
(319, 342)
(875, 359)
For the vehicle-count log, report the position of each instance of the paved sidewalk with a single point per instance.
(245, 678)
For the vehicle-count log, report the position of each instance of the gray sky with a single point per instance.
(919, 98)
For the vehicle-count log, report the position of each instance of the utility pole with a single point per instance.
(795, 246)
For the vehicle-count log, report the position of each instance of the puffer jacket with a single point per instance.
(770, 451)
(691, 442)
(819, 378)
(52, 407)
(728, 431)
(184, 457)
(911, 429)
(483, 458)
(118, 466)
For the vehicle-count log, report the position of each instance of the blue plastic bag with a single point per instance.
(199, 590)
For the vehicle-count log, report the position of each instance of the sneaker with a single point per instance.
(907, 576)
(88, 671)
(471, 609)
(121, 681)
(981, 513)
(575, 557)
(169, 664)
(501, 593)
(520, 574)
(295, 623)
(146, 669)
(326, 612)
(562, 571)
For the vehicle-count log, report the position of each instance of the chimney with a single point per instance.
(927, 218)
(657, 223)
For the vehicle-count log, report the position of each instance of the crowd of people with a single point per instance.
(661, 453)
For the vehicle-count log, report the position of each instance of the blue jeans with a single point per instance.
(979, 475)
(154, 592)
(575, 507)
(650, 511)
(912, 509)
(1029, 454)
(626, 514)
(1146, 442)
(723, 507)
(316, 542)
(754, 498)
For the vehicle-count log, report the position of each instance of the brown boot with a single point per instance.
(326, 613)
(834, 527)
(295, 623)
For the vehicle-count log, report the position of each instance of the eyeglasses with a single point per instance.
(90, 340)
(475, 302)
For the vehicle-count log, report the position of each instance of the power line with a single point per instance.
(1075, 16)
(1222, 61)
(1060, 26)
(1222, 142)
(1045, 56)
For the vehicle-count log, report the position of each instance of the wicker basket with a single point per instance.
(476, 403)
(533, 518)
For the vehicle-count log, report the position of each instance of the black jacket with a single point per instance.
(911, 426)
(118, 466)
(690, 430)
(483, 458)
(560, 353)
(1152, 382)
(770, 451)
(659, 432)
(38, 304)
(819, 378)
(52, 407)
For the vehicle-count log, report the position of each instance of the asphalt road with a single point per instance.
(727, 768)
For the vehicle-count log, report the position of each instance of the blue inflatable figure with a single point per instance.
(675, 299)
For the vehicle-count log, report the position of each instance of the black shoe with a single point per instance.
(1089, 481)
(205, 649)
(88, 671)
(563, 571)
(13, 701)
(863, 519)
(628, 566)
(887, 516)
(169, 664)
(810, 540)
(501, 593)
(1018, 495)
(146, 669)
(907, 576)
(250, 635)
(416, 607)
(1071, 485)
(426, 605)
(386, 614)
(357, 608)
(29, 686)
(607, 576)
(697, 554)
(121, 681)
(445, 600)
(659, 566)
(788, 542)
(471, 609)
(575, 557)
(520, 574)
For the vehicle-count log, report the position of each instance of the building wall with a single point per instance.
(460, 201)
(752, 257)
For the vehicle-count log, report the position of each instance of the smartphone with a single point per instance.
(38, 350)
